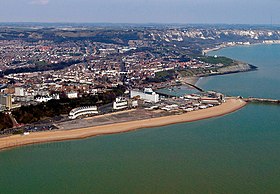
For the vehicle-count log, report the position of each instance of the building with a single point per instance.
(19, 91)
(120, 103)
(6, 101)
(148, 94)
(72, 95)
(47, 98)
(83, 111)
(134, 103)
(213, 101)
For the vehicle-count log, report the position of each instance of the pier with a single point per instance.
(262, 100)
(182, 83)
(166, 94)
(194, 86)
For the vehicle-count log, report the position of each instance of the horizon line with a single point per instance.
(135, 23)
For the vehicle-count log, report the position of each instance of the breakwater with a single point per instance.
(262, 100)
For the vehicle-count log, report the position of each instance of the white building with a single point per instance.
(42, 93)
(134, 104)
(120, 103)
(87, 110)
(43, 99)
(19, 91)
(72, 95)
(47, 98)
(148, 95)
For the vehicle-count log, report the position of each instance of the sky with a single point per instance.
(142, 11)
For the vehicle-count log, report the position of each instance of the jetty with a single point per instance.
(262, 100)
(182, 83)
(167, 95)
(194, 86)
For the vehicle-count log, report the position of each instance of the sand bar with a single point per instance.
(229, 106)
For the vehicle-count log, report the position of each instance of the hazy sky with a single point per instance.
(142, 11)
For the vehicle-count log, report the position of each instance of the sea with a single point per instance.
(235, 153)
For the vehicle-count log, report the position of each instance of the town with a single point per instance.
(128, 65)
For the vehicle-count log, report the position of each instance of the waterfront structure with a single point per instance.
(148, 94)
(192, 97)
(6, 101)
(120, 103)
(123, 103)
(213, 101)
(82, 111)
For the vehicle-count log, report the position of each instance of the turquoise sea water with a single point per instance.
(236, 153)
(262, 83)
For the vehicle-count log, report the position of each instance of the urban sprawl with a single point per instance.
(90, 71)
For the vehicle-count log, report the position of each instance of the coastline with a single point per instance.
(206, 51)
(190, 80)
(231, 105)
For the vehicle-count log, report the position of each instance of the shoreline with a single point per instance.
(190, 80)
(206, 51)
(231, 105)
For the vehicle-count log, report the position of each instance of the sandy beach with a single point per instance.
(229, 106)
(206, 51)
(190, 80)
